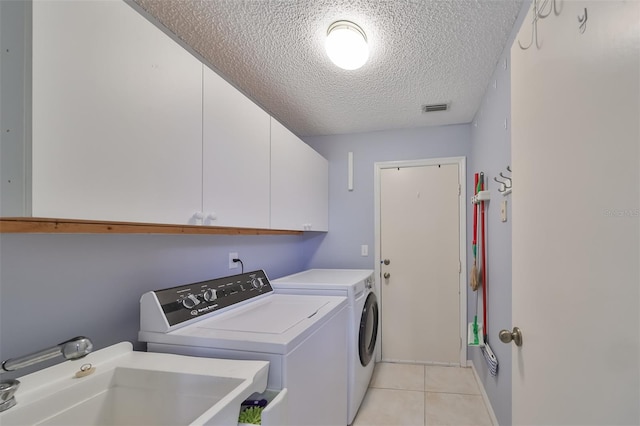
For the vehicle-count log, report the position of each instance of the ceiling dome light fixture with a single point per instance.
(346, 45)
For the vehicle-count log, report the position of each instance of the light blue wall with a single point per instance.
(491, 153)
(351, 213)
(54, 287)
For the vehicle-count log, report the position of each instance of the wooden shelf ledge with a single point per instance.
(36, 225)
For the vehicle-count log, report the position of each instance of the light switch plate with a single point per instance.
(364, 250)
(503, 210)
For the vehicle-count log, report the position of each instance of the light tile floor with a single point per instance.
(422, 395)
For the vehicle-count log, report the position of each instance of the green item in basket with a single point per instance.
(251, 415)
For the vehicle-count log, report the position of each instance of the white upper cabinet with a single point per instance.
(117, 117)
(299, 183)
(236, 148)
(127, 125)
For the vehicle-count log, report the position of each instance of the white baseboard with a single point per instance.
(485, 397)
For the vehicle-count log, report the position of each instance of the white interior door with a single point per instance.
(420, 236)
(575, 148)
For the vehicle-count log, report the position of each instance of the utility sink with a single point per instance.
(136, 388)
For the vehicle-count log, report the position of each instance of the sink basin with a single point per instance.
(137, 388)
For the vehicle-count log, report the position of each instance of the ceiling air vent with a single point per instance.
(434, 107)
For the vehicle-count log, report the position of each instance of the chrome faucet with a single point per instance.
(75, 348)
(7, 389)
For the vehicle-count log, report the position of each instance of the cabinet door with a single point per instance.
(235, 157)
(299, 183)
(117, 116)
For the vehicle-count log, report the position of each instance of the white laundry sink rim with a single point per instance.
(129, 387)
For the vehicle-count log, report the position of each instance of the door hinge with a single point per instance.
(459, 189)
(459, 267)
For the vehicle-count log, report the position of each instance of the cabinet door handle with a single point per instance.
(198, 217)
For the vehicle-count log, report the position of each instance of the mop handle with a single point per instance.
(475, 212)
(475, 215)
(484, 263)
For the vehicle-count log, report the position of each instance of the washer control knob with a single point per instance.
(191, 301)
(257, 283)
(210, 295)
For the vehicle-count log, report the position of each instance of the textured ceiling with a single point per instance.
(421, 52)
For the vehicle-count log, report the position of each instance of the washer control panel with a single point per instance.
(185, 302)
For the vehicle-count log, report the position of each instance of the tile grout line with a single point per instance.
(485, 397)
(397, 389)
(454, 393)
(461, 379)
(424, 395)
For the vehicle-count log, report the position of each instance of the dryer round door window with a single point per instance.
(368, 330)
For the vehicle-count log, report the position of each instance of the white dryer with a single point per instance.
(240, 317)
(357, 286)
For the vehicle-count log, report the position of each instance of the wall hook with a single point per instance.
(508, 182)
(506, 185)
(552, 7)
(583, 22)
(534, 28)
(540, 15)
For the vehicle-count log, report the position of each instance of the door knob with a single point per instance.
(386, 275)
(507, 336)
(386, 261)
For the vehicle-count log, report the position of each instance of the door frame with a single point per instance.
(462, 281)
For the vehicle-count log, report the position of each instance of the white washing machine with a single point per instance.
(240, 317)
(357, 286)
